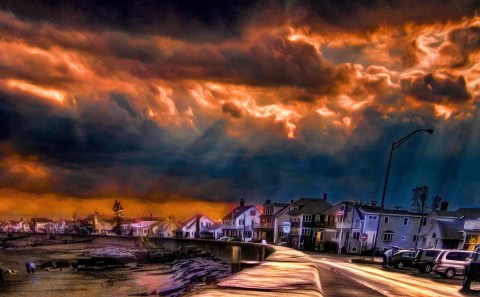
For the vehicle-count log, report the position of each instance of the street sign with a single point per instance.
(364, 237)
(286, 227)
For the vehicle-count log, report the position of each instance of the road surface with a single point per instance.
(373, 280)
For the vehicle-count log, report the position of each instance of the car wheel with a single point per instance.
(428, 268)
(450, 273)
(400, 265)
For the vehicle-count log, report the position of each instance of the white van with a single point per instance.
(450, 263)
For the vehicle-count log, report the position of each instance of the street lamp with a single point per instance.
(395, 145)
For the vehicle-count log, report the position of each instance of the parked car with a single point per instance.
(402, 258)
(472, 271)
(425, 259)
(450, 263)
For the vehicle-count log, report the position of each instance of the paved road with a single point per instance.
(372, 280)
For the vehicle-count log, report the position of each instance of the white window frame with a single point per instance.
(405, 221)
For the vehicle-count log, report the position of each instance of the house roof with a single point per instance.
(238, 211)
(467, 213)
(310, 206)
(451, 230)
(168, 224)
(399, 212)
(279, 208)
(193, 218)
(213, 227)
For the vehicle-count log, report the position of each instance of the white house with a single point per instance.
(146, 226)
(168, 228)
(196, 226)
(459, 229)
(240, 221)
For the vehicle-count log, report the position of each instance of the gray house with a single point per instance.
(353, 220)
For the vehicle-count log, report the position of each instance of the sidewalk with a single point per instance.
(353, 258)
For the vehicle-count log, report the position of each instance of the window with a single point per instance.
(405, 221)
(354, 249)
(306, 231)
(307, 218)
(387, 237)
(248, 234)
(253, 213)
(414, 238)
(434, 235)
(356, 235)
(372, 217)
(385, 219)
(403, 237)
(457, 256)
(317, 218)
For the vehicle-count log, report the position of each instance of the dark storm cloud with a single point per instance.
(367, 15)
(460, 44)
(232, 109)
(193, 20)
(437, 88)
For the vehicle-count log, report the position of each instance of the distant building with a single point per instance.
(197, 226)
(459, 229)
(103, 224)
(146, 226)
(350, 220)
(241, 221)
(306, 218)
(43, 225)
(268, 228)
(168, 229)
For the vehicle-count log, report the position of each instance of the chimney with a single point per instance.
(268, 201)
(242, 202)
(291, 201)
(325, 196)
(444, 205)
(373, 203)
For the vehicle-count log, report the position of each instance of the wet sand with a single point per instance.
(68, 282)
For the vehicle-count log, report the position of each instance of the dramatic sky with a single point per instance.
(182, 106)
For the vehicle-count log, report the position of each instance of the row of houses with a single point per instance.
(351, 226)
(306, 223)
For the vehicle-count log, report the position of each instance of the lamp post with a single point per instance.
(395, 145)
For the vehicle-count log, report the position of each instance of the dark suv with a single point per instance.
(402, 259)
(425, 259)
(472, 271)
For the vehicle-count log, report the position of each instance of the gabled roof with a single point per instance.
(238, 211)
(451, 230)
(399, 212)
(193, 218)
(310, 206)
(213, 227)
(165, 225)
(461, 213)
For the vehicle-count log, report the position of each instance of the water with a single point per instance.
(147, 279)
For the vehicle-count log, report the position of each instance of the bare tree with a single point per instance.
(421, 204)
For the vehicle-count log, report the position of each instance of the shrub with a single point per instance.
(330, 246)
